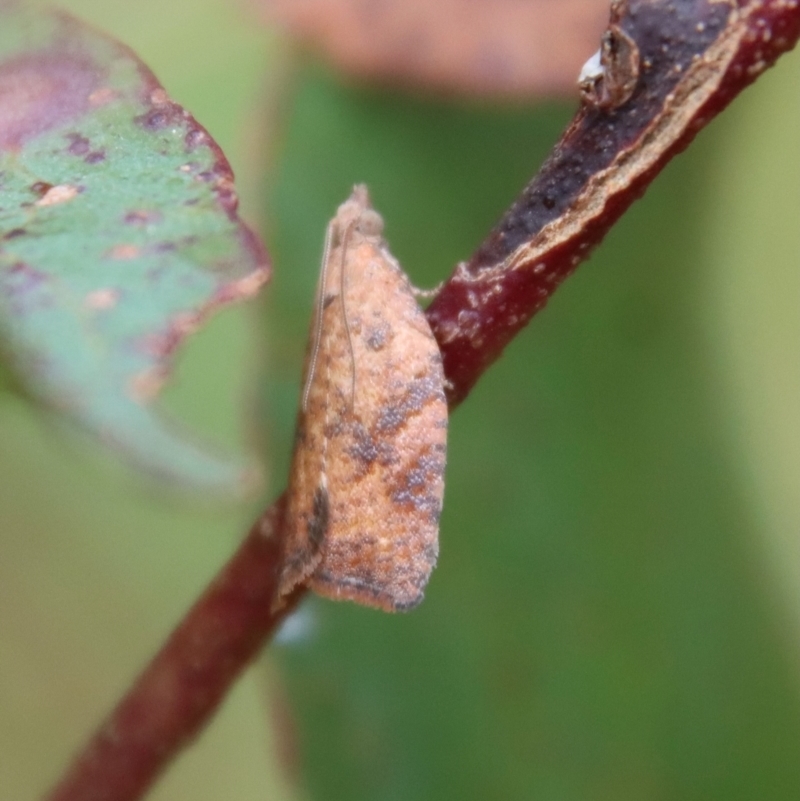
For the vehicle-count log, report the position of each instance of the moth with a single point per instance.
(367, 476)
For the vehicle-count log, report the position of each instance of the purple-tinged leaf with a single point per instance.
(118, 235)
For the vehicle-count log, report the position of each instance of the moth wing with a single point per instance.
(307, 505)
(387, 439)
(367, 475)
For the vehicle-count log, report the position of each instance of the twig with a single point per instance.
(686, 60)
(694, 57)
(184, 684)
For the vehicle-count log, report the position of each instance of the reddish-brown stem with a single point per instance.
(184, 684)
(694, 57)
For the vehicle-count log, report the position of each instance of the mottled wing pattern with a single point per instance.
(367, 478)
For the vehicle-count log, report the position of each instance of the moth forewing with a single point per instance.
(308, 505)
(366, 482)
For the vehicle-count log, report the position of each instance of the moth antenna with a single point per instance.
(342, 288)
(323, 272)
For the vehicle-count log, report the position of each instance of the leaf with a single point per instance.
(752, 292)
(118, 236)
(489, 47)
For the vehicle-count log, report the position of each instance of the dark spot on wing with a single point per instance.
(419, 486)
(376, 336)
(420, 391)
(368, 450)
(320, 516)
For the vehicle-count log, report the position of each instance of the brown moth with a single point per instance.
(367, 475)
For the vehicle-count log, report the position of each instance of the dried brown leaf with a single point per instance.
(510, 48)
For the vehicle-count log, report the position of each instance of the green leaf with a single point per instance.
(118, 236)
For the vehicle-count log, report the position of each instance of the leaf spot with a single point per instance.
(102, 97)
(102, 299)
(124, 252)
(39, 91)
(78, 145)
(62, 193)
(41, 188)
(159, 97)
(142, 217)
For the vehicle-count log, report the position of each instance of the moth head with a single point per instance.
(370, 223)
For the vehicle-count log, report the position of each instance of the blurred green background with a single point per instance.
(616, 613)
